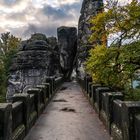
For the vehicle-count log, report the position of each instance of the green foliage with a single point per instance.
(37, 36)
(8, 47)
(117, 64)
(117, 19)
(102, 66)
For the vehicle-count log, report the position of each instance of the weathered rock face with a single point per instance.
(67, 40)
(89, 8)
(33, 63)
(54, 67)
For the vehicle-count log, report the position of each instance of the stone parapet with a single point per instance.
(18, 117)
(120, 117)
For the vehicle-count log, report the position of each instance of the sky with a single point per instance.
(25, 17)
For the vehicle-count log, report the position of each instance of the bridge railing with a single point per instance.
(18, 117)
(121, 118)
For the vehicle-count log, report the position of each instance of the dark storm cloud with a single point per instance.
(10, 2)
(54, 12)
(54, 17)
(47, 30)
(62, 12)
(68, 7)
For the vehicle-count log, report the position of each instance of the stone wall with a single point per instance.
(18, 117)
(121, 118)
(89, 9)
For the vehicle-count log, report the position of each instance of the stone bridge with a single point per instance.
(50, 96)
(76, 110)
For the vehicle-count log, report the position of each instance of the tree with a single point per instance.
(121, 21)
(116, 62)
(8, 48)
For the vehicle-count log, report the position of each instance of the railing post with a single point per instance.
(106, 114)
(129, 110)
(43, 93)
(116, 126)
(5, 121)
(50, 80)
(36, 92)
(99, 92)
(93, 92)
(137, 127)
(88, 79)
(25, 98)
(48, 90)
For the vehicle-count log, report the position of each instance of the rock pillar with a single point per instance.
(67, 40)
(89, 9)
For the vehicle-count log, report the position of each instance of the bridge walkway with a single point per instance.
(69, 116)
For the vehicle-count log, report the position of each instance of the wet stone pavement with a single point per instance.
(69, 116)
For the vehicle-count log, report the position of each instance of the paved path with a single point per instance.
(68, 117)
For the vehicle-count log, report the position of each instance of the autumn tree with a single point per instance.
(116, 62)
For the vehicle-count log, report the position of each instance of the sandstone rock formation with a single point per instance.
(67, 40)
(89, 8)
(54, 62)
(40, 57)
(37, 58)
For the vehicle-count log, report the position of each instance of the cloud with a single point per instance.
(16, 16)
(50, 30)
(9, 2)
(50, 18)
(55, 13)
(24, 17)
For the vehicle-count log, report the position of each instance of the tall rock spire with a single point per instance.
(89, 9)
